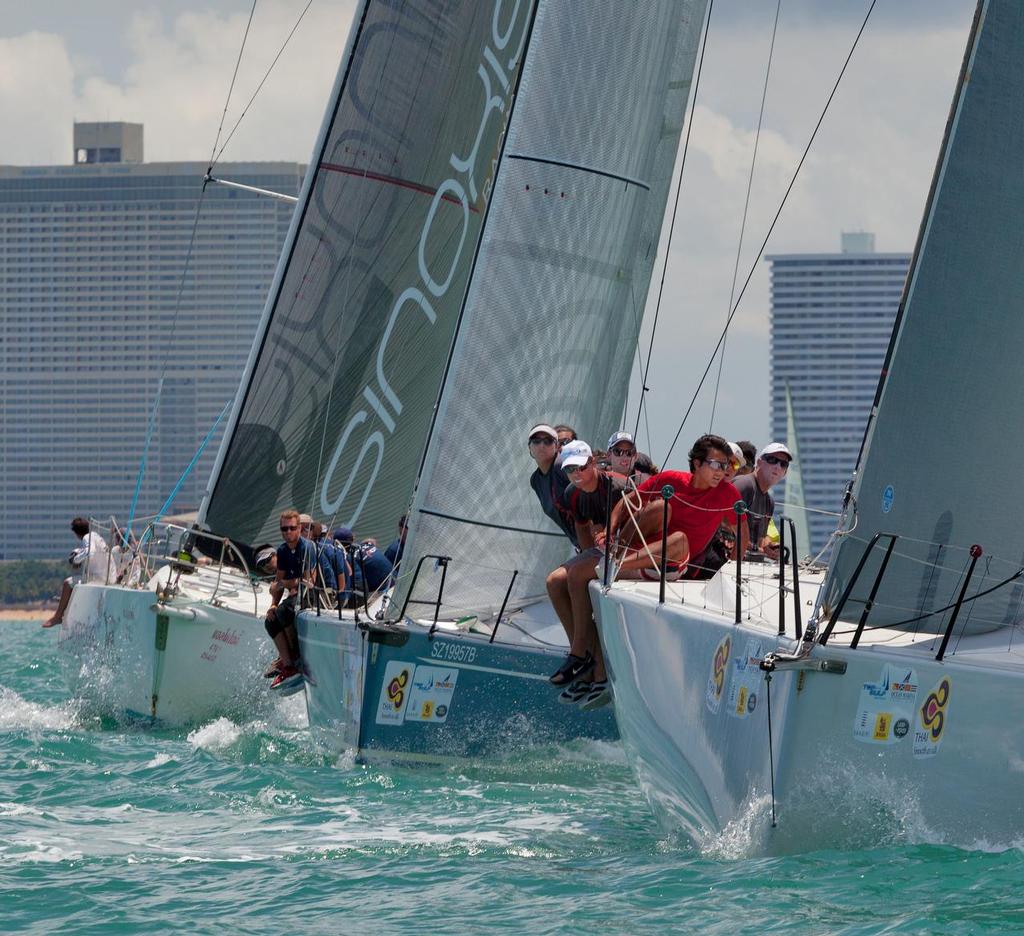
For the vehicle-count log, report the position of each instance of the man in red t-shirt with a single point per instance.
(702, 501)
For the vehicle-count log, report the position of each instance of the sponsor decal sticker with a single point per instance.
(716, 677)
(885, 711)
(430, 698)
(746, 677)
(932, 717)
(394, 693)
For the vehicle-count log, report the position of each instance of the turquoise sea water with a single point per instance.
(242, 826)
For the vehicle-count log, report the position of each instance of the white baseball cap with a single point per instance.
(775, 448)
(738, 453)
(576, 453)
(620, 436)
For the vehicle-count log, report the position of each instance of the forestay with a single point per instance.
(335, 405)
(944, 446)
(553, 312)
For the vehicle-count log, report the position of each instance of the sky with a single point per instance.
(168, 65)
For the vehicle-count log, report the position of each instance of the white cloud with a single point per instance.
(175, 82)
(36, 107)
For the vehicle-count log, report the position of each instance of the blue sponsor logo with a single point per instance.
(887, 498)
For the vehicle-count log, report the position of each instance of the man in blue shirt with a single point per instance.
(364, 557)
(331, 566)
(296, 574)
(393, 553)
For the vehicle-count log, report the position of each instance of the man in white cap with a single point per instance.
(587, 498)
(548, 480)
(623, 455)
(772, 463)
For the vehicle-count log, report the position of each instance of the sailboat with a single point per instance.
(484, 204)
(562, 207)
(882, 698)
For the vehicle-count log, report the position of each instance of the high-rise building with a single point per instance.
(110, 287)
(831, 317)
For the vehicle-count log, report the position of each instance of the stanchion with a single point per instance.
(741, 508)
(667, 493)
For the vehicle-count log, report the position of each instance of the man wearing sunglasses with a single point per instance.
(296, 573)
(772, 463)
(548, 480)
(623, 457)
(587, 498)
(703, 500)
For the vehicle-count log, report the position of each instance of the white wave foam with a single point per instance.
(17, 714)
(19, 809)
(216, 736)
(160, 759)
(744, 836)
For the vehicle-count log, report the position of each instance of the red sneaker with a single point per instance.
(288, 681)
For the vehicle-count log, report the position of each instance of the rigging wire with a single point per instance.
(771, 227)
(672, 225)
(214, 155)
(181, 286)
(215, 158)
(746, 204)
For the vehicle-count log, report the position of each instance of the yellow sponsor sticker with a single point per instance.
(882, 722)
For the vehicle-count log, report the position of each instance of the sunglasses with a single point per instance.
(735, 465)
(285, 529)
(541, 440)
(572, 469)
(622, 453)
(775, 460)
(715, 465)
(562, 442)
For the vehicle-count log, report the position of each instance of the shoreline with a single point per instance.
(25, 614)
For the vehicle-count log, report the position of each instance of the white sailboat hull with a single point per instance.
(853, 764)
(181, 661)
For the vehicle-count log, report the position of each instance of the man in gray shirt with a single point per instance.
(772, 462)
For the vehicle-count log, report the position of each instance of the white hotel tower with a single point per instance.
(93, 307)
(831, 316)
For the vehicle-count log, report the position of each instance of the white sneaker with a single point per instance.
(599, 695)
(574, 692)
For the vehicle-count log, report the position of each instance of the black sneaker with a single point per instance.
(575, 692)
(573, 668)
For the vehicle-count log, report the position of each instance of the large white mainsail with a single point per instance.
(942, 444)
(551, 321)
(340, 389)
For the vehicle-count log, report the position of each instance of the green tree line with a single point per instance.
(24, 581)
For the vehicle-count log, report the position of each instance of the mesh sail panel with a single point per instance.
(942, 446)
(550, 327)
(335, 412)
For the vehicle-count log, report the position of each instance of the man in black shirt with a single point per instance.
(588, 498)
(772, 463)
(548, 480)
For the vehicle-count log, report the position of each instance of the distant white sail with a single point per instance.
(550, 327)
(939, 459)
(796, 504)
